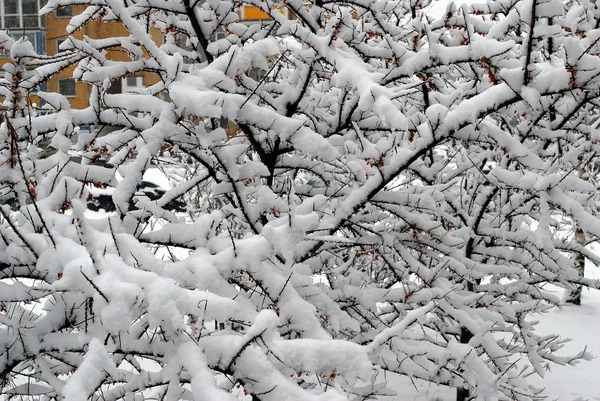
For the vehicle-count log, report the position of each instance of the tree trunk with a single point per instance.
(574, 296)
(462, 393)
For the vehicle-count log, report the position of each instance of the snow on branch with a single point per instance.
(301, 207)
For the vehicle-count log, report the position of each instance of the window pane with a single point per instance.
(30, 21)
(257, 74)
(223, 123)
(11, 22)
(29, 36)
(134, 81)
(29, 6)
(11, 7)
(115, 87)
(64, 12)
(66, 87)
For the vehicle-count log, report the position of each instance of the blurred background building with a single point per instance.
(21, 19)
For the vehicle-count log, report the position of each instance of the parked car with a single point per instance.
(102, 199)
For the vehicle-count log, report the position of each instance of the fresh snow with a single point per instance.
(369, 191)
(562, 383)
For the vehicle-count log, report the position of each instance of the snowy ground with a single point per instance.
(580, 323)
(562, 383)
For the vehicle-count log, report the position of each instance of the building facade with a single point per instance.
(21, 19)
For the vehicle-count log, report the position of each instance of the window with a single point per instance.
(36, 38)
(66, 87)
(30, 18)
(135, 81)
(220, 35)
(115, 87)
(64, 12)
(181, 40)
(256, 74)
(20, 14)
(58, 43)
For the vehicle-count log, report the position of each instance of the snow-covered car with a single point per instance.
(101, 198)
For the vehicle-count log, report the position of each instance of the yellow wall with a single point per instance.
(251, 13)
(57, 28)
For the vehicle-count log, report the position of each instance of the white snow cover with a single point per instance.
(361, 193)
